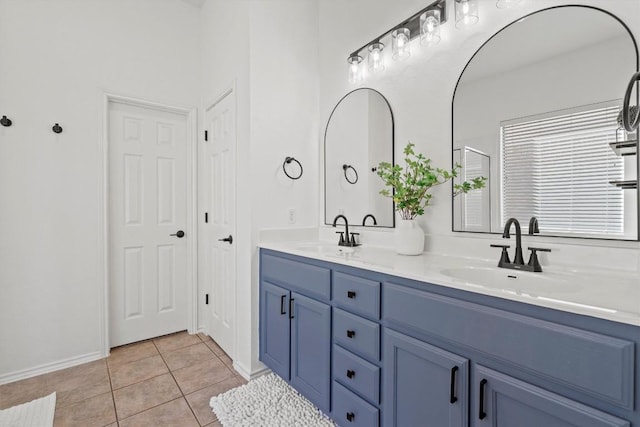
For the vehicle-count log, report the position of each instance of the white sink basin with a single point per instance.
(518, 281)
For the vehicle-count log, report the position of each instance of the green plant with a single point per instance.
(412, 184)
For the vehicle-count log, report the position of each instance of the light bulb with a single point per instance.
(376, 61)
(466, 12)
(355, 74)
(400, 43)
(430, 27)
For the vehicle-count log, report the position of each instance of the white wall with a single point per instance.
(269, 48)
(57, 58)
(420, 91)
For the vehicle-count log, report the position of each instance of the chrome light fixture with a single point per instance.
(355, 72)
(376, 60)
(400, 47)
(430, 27)
(401, 35)
(466, 13)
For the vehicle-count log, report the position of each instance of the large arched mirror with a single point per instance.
(359, 135)
(536, 110)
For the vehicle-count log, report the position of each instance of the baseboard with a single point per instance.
(248, 375)
(49, 367)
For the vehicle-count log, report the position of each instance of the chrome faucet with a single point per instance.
(346, 238)
(364, 220)
(518, 262)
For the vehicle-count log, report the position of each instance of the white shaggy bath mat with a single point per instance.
(37, 413)
(266, 401)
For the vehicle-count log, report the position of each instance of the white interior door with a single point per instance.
(219, 186)
(147, 214)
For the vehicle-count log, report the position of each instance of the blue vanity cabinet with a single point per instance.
(423, 384)
(503, 401)
(310, 344)
(275, 350)
(392, 352)
(295, 325)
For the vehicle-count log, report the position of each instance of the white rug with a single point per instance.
(37, 413)
(267, 401)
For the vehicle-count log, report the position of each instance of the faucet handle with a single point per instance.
(504, 256)
(353, 238)
(341, 242)
(533, 259)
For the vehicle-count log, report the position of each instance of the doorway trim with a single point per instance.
(190, 115)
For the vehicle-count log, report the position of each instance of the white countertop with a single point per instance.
(603, 294)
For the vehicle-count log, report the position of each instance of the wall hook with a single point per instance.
(345, 168)
(57, 128)
(287, 161)
(4, 121)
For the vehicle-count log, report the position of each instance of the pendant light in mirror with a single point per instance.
(466, 13)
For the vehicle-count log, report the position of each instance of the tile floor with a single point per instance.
(165, 381)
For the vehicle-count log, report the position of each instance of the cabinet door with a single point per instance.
(423, 384)
(274, 329)
(499, 400)
(310, 349)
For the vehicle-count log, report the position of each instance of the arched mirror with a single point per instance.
(536, 110)
(359, 135)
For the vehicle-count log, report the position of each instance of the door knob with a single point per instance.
(179, 234)
(227, 239)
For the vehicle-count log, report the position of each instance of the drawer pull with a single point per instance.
(291, 308)
(351, 334)
(282, 298)
(351, 373)
(482, 414)
(452, 394)
(351, 294)
(351, 416)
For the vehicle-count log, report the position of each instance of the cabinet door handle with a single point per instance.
(481, 413)
(351, 334)
(350, 416)
(282, 298)
(291, 308)
(351, 294)
(351, 373)
(452, 393)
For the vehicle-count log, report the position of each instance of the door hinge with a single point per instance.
(206, 217)
(206, 299)
(206, 135)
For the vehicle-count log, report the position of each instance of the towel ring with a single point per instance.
(287, 161)
(57, 128)
(347, 167)
(630, 123)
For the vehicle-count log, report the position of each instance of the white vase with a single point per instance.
(408, 237)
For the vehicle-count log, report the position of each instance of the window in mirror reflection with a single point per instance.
(559, 166)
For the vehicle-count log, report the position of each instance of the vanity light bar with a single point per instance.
(412, 24)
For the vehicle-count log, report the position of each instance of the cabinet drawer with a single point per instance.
(350, 410)
(357, 374)
(356, 334)
(307, 279)
(590, 363)
(357, 295)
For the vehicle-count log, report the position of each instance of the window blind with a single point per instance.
(557, 167)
